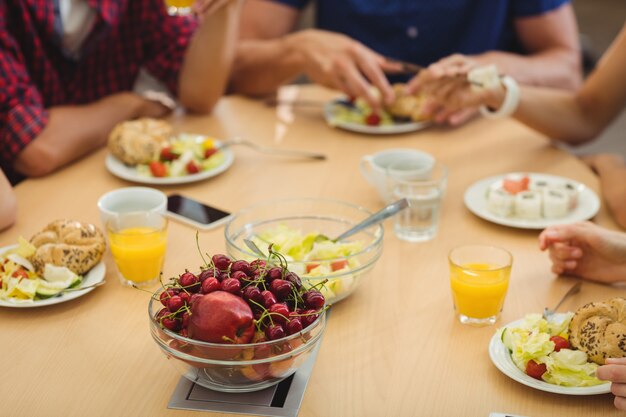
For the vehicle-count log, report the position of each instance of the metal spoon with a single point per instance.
(574, 290)
(272, 151)
(375, 218)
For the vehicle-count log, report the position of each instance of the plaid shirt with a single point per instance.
(36, 73)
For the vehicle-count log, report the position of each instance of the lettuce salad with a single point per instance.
(19, 283)
(314, 257)
(531, 341)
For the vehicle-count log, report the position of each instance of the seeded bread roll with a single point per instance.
(407, 106)
(139, 141)
(599, 329)
(77, 246)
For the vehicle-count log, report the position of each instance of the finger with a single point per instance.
(613, 373)
(557, 269)
(620, 403)
(461, 116)
(565, 251)
(358, 85)
(375, 75)
(618, 390)
(615, 361)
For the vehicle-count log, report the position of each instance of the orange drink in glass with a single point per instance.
(138, 242)
(179, 7)
(479, 278)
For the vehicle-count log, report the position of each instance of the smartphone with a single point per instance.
(195, 213)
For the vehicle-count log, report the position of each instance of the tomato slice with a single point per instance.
(158, 169)
(559, 343)
(536, 370)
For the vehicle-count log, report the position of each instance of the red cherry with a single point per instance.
(221, 262)
(275, 331)
(184, 320)
(372, 119)
(171, 324)
(281, 288)
(207, 273)
(175, 303)
(274, 273)
(209, 285)
(189, 281)
(313, 299)
(239, 276)
(162, 313)
(269, 299)
(231, 285)
(185, 296)
(294, 279)
(293, 326)
(253, 293)
(258, 264)
(308, 317)
(242, 266)
(167, 294)
(280, 312)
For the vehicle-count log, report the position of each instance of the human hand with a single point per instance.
(615, 371)
(586, 250)
(450, 98)
(600, 161)
(337, 61)
(152, 109)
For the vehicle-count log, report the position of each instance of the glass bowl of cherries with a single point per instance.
(237, 326)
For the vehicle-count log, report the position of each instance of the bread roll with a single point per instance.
(405, 105)
(599, 329)
(139, 141)
(72, 244)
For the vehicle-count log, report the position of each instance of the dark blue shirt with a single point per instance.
(424, 31)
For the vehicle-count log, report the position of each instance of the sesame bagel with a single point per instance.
(77, 246)
(139, 141)
(599, 329)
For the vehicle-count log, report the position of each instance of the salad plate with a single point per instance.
(134, 174)
(91, 278)
(476, 201)
(501, 358)
(337, 114)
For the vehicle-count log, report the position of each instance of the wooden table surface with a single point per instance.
(394, 348)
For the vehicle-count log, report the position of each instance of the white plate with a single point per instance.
(94, 276)
(501, 357)
(476, 202)
(396, 128)
(119, 169)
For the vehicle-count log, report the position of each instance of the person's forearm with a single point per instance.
(261, 66)
(612, 173)
(208, 60)
(73, 131)
(559, 68)
(8, 204)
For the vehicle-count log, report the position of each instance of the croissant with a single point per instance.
(72, 244)
(599, 329)
(139, 141)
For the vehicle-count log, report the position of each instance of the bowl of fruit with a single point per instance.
(301, 231)
(237, 326)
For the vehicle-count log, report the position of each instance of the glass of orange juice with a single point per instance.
(479, 277)
(138, 241)
(179, 7)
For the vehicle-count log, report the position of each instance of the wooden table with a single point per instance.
(394, 348)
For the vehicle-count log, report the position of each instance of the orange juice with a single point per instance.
(479, 289)
(179, 3)
(138, 252)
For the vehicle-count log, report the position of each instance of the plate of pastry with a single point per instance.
(404, 115)
(531, 200)
(147, 151)
(60, 263)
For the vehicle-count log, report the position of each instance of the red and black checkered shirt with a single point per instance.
(36, 74)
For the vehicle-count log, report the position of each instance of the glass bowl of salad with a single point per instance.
(301, 230)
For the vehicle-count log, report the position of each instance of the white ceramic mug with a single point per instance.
(131, 199)
(374, 167)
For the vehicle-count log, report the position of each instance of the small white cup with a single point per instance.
(374, 167)
(131, 199)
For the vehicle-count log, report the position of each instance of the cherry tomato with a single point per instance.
(209, 152)
(337, 265)
(310, 267)
(192, 167)
(559, 343)
(372, 119)
(168, 155)
(158, 169)
(536, 370)
(20, 273)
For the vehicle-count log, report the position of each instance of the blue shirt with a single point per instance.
(424, 31)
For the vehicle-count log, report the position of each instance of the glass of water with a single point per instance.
(424, 192)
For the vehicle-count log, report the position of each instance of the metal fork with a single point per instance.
(272, 151)
(574, 290)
